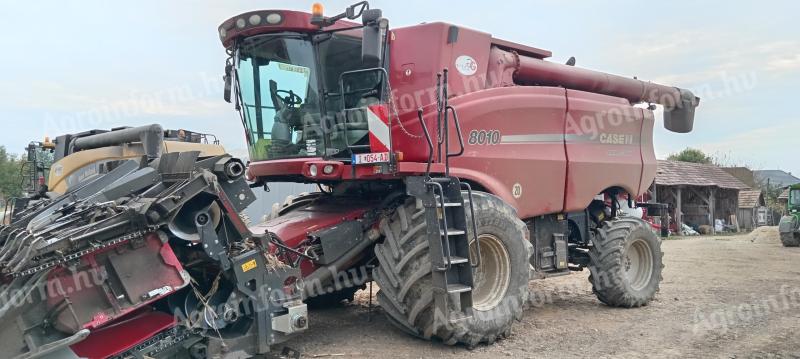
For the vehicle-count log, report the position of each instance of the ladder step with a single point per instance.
(448, 204)
(453, 232)
(458, 288)
(458, 260)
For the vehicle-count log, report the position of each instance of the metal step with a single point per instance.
(458, 260)
(458, 288)
(449, 204)
(453, 232)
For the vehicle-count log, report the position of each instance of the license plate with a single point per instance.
(367, 158)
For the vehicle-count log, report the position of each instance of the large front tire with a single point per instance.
(404, 274)
(626, 263)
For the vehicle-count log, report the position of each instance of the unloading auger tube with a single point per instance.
(679, 104)
(151, 137)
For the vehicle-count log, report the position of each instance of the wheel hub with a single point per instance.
(638, 264)
(492, 278)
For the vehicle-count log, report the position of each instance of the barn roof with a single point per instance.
(749, 199)
(675, 173)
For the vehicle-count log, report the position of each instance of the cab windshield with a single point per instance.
(794, 198)
(282, 107)
(280, 104)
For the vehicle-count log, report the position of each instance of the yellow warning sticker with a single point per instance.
(250, 265)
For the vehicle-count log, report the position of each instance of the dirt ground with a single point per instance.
(725, 296)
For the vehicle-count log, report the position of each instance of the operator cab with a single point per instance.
(302, 93)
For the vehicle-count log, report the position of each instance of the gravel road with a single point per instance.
(725, 296)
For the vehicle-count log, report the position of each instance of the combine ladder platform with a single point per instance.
(449, 241)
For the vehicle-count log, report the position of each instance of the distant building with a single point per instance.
(743, 174)
(775, 178)
(698, 194)
(753, 211)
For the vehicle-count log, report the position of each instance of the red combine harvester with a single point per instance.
(457, 187)
(453, 169)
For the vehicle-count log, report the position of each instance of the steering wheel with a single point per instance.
(291, 99)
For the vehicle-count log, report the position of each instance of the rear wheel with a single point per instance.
(790, 239)
(501, 282)
(626, 263)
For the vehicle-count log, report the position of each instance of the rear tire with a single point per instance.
(790, 239)
(404, 275)
(626, 263)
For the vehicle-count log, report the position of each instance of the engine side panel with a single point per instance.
(603, 141)
(514, 145)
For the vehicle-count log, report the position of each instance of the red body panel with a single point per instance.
(122, 336)
(94, 305)
(530, 152)
(603, 147)
(294, 227)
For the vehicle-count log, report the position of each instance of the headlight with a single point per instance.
(274, 18)
(312, 170)
(328, 169)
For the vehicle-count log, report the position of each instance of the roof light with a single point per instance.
(223, 33)
(316, 10)
(316, 15)
(255, 19)
(240, 23)
(274, 18)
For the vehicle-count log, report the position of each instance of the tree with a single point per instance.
(10, 175)
(691, 155)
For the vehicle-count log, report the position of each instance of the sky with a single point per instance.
(70, 66)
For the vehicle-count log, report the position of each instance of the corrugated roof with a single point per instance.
(749, 199)
(675, 173)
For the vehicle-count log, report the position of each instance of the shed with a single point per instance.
(753, 211)
(783, 198)
(698, 193)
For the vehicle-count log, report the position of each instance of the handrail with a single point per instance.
(458, 131)
(428, 139)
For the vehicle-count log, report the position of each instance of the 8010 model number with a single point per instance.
(484, 137)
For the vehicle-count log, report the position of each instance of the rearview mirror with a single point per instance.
(228, 83)
(372, 40)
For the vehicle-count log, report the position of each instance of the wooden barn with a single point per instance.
(753, 210)
(698, 194)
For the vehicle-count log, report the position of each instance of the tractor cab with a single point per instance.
(793, 204)
(302, 83)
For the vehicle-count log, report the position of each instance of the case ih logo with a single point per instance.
(466, 65)
(616, 139)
